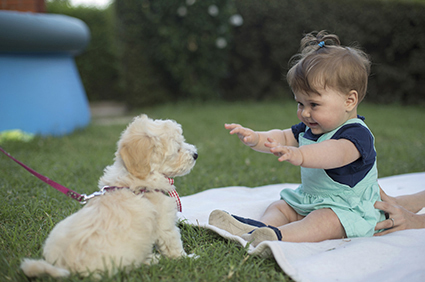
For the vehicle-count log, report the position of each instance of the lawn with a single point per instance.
(30, 208)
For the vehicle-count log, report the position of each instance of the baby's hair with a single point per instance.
(323, 62)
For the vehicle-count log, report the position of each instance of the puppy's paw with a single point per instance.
(152, 259)
(192, 256)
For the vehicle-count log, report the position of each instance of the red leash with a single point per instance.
(82, 198)
(74, 195)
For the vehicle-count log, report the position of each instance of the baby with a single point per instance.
(332, 145)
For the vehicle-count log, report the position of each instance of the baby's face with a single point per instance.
(323, 112)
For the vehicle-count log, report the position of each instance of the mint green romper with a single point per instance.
(353, 206)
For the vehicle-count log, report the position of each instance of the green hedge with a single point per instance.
(170, 48)
(98, 64)
(168, 57)
(391, 32)
(146, 52)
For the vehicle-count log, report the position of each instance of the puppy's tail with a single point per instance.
(35, 268)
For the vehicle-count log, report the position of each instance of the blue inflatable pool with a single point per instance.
(40, 88)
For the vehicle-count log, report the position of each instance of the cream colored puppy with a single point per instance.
(119, 229)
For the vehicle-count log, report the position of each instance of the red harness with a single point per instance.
(173, 193)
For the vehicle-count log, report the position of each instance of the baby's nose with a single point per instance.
(305, 113)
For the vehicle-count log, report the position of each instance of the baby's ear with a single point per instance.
(136, 154)
(352, 100)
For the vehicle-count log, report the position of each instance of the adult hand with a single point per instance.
(399, 218)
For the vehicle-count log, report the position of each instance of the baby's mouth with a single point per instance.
(312, 124)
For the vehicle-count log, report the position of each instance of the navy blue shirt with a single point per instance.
(361, 137)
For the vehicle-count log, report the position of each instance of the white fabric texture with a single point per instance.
(399, 256)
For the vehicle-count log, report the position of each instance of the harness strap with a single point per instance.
(173, 193)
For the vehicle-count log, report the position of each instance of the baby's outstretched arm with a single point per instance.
(257, 139)
(325, 155)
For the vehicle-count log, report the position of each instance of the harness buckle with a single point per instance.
(85, 197)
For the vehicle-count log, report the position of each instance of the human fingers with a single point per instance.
(385, 224)
(386, 198)
(397, 218)
(389, 210)
(394, 223)
(271, 143)
(383, 206)
(240, 131)
(231, 126)
(236, 129)
(381, 192)
(285, 156)
(281, 152)
(246, 135)
(387, 231)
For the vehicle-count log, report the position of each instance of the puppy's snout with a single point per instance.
(195, 156)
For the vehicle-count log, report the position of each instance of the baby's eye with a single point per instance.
(314, 105)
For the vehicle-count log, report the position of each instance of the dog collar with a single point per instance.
(173, 193)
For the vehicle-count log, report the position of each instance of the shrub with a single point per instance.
(98, 64)
(174, 49)
(167, 50)
(391, 32)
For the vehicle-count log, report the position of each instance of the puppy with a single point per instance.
(119, 228)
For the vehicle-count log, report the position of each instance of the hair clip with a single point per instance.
(321, 44)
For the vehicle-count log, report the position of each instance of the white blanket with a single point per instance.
(399, 256)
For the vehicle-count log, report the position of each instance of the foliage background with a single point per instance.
(391, 32)
(98, 64)
(146, 52)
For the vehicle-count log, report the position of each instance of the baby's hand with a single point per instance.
(285, 153)
(248, 136)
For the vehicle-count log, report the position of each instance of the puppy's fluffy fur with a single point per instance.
(119, 229)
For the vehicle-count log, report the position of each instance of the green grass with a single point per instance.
(30, 208)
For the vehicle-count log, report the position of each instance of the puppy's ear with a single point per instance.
(136, 154)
